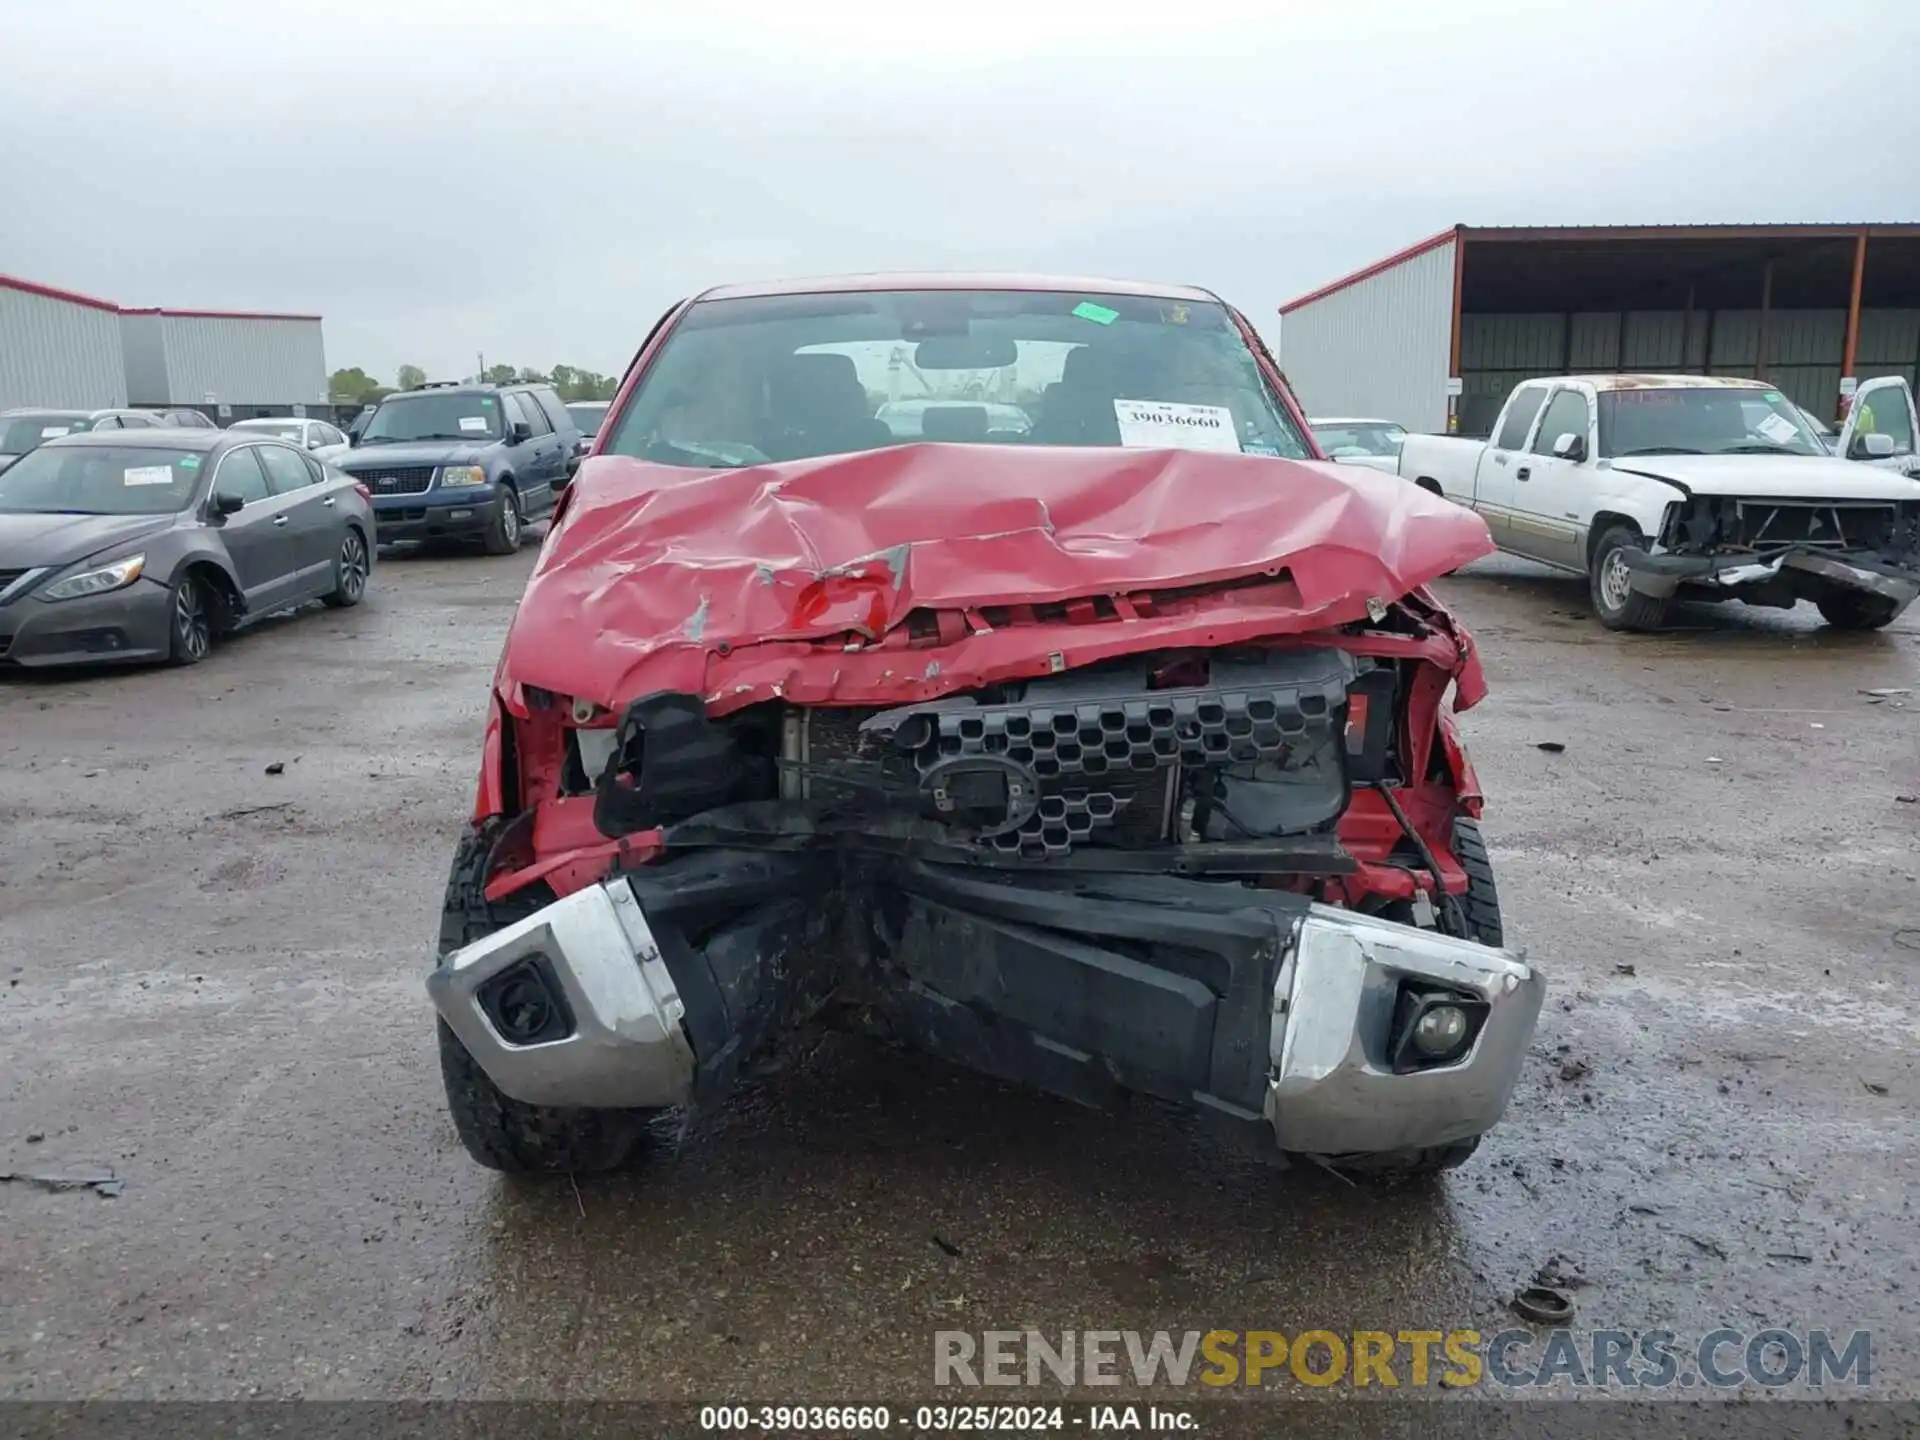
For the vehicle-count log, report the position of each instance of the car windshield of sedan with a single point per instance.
(1703, 420)
(1360, 437)
(783, 377)
(285, 429)
(21, 433)
(452, 415)
(100, 480)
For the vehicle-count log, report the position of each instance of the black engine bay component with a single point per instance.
(1243, 765)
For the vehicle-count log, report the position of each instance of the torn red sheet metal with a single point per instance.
(795, 580)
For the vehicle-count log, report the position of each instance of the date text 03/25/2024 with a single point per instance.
(944, 1419)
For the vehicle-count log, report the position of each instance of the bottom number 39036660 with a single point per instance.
(842, 1419)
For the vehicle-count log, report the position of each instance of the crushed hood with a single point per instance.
(723, 583)
(1777, 477)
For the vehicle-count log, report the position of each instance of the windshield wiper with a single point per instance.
(1659, 450)
(1762, 449)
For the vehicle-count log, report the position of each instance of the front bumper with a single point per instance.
(595, 956)
(462, 514)
(1660, 576)
(1268, 1016)
(127, 624)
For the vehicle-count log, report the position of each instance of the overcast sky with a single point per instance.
(539, 182)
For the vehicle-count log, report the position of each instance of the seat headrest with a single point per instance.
(963, 423)
(820, 374)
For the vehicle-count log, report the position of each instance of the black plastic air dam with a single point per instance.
(1082, 986)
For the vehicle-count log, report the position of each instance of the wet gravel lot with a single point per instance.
(210, 985)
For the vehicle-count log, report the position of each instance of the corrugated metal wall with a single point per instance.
(1377, 348)
(146, 351)
(1889, 345)
(1804, 350)
(243, 361)
(57, 353)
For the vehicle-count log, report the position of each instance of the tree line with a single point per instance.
(353, 386)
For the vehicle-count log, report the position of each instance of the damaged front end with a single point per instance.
(1219, 877)
(1777, 552)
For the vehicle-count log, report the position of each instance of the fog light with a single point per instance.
(1440, 1031)
(526, 1004)
(1432, 1027)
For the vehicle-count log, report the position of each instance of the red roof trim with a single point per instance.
(1432, 242)
(9, 282)
(218, 314)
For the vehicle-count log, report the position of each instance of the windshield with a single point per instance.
(285, 429)
(1359, 437)
(741, 382)
(21, 433)
(1703, 420)
(452, 415)
(100, 480)
(588, 416)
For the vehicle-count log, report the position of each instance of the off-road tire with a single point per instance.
(498, 1131)
(1618, 607)
(507, 527)
(1852, 610)
(1482, 900)
(351, 567)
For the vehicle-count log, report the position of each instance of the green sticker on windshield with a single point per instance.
(487, 401)
(1099, 314)
(188, 462)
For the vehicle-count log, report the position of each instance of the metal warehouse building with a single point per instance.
(59, 349)
(69, 351)
(237, 364)
(1435, 336)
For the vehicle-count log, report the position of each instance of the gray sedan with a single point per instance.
(150, 545)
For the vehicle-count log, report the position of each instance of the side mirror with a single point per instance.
(521, 431)
(1875, 446)
(1570, 447)
(227, 503)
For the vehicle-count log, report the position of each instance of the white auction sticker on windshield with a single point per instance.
(147, 475)
(1164, 425)
(1778, 429)
(53, 432)
(473, 422)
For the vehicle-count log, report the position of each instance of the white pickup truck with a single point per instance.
(1654, 486)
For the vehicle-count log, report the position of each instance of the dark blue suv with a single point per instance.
(464, 462)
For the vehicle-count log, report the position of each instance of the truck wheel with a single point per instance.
(1851, 610)
(498, 1131)
(1483, 897)
(1615, 601)
(503, 534)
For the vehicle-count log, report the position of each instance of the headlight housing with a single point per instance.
(97, 581)
(456, 475)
